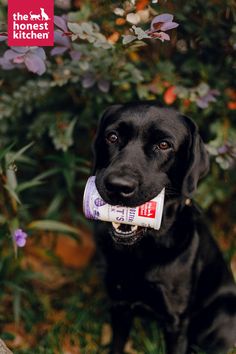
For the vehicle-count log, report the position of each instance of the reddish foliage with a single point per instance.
(170, 95)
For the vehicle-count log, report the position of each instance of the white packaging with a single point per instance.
(146, 215)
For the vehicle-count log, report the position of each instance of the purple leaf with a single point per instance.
(6, 65)
(75, 55)
(61, 40)
(2, 37)
(88, 80)
(10, 55)
(202, 103)
(19, 59)
(39, 52)
(160, 35)
(214, 92)
(58, 50)
(222, 149)
(164, 36)
(104, 85)
(60, 22)
(168, 26)
(161, 19)
(21, 50)
(210, 98)
(204, 100)
(35, 64)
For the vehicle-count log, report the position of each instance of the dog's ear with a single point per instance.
(198, 161)
(99, 151)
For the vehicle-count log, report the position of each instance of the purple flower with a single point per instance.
(228, 148)
(32, 57)
(160, 24)
(204, 100)
(20, 237)
(223, 149)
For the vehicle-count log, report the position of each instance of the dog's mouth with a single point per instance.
(127, 234)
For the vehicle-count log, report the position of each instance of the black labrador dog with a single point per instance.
(176, 273)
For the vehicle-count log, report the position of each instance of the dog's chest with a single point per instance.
(162, 290)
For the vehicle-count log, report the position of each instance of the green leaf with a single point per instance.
(12, 193)
(74, 27)
(87, 27)
(82, 15)
(38, 180)
(55, 204)
(2, 219)
(11, 179)
(7, 336)
(48, 173)
(26, 185)
(17, 306)
(128, 39)
(52, 225)
(14, 157)
(74, 37)
(3, 152)
(27, 160)
(140, 33)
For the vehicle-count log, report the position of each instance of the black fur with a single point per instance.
(177, 273)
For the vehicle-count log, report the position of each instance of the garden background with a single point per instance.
(51, 296)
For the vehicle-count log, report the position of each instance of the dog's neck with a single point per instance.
(177, 215)
(173, 210)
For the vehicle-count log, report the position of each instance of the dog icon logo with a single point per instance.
(44, 16)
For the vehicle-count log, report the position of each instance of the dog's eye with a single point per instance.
(112, 138)
(162, 145)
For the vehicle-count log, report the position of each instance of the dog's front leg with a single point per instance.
(121, 321)
(176, 341)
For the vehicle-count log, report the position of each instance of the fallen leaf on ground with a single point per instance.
(106, 334)
(75, 254)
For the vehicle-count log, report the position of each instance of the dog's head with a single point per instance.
(140, 149)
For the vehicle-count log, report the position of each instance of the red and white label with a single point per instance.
(148, 210)
(30, 23)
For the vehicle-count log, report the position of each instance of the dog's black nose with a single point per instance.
(121, 186)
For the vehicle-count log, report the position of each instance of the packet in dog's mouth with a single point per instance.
(146, 215)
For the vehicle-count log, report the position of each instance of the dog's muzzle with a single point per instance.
(127, 234)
